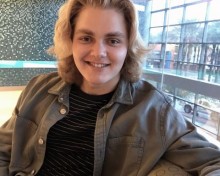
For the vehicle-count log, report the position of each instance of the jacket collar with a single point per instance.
(61, 88)
(123, 93)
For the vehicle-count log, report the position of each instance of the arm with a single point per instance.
(13, 134)
(6, 139)
(6, 132)
(188, 149)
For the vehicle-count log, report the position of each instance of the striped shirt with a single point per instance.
(70, 142)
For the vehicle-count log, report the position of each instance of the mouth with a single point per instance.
(97, 65)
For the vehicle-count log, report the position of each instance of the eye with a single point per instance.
(113, 42)
(85, 39)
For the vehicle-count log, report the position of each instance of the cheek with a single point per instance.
(77, 53)
(121, 55)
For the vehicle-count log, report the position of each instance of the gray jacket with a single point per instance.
(133, 131)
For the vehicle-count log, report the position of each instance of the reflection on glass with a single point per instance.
(158, 4)
(173, 34)
(157, 19)
(196, 12)
(193, 33)
(175, 16)
(213, 35)
(214, 10)
(156, 34)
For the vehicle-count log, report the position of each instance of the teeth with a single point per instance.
(98, 65)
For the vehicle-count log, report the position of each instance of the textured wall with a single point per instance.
(26, 31)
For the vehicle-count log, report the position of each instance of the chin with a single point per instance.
(98, 82)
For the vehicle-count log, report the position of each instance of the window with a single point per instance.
(185, 59)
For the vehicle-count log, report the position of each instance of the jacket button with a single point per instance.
(41, 141)
(63, 111)
(61, 99)
(32, 172)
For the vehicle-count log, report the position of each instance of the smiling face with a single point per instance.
(99, 48)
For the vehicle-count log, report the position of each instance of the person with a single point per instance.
(96, 116)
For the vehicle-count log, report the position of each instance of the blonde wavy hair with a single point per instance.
(64, 30)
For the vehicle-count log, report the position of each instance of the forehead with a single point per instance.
(98, 18)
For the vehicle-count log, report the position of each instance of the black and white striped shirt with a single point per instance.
(70, 142)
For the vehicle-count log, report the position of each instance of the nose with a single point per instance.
(99, 49)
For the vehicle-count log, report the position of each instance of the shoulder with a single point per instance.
(41, 88)
(146, 89)
(44, 78)
(44, 82)
(41, 84)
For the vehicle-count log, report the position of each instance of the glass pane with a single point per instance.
(154, 57)
(139, 2)
(168, 89)
(184, 108)
(158, 4)
(176, 2)
(213, 34)
(196, 12)
(202, 116)
(157, 19)
(189, 1)
(193, 33)
(201, 112)
(207, 113)
(175, 16)
(171, 55)
(156, 34)
(173, 34)
(212, 61)
(139, 7)
(214, 10)
(186, 95)
(186, 59)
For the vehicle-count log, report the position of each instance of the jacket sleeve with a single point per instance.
(186, 148)
(7, 136)
(6, 133)
(6, 139)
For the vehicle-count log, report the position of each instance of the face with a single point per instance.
(99, 48)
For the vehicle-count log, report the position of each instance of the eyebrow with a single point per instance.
(84, 31)
(111, 34)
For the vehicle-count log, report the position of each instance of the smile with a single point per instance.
(98, 65)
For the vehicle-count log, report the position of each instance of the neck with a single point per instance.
(94, 89)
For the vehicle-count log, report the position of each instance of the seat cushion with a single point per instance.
(165, 168)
